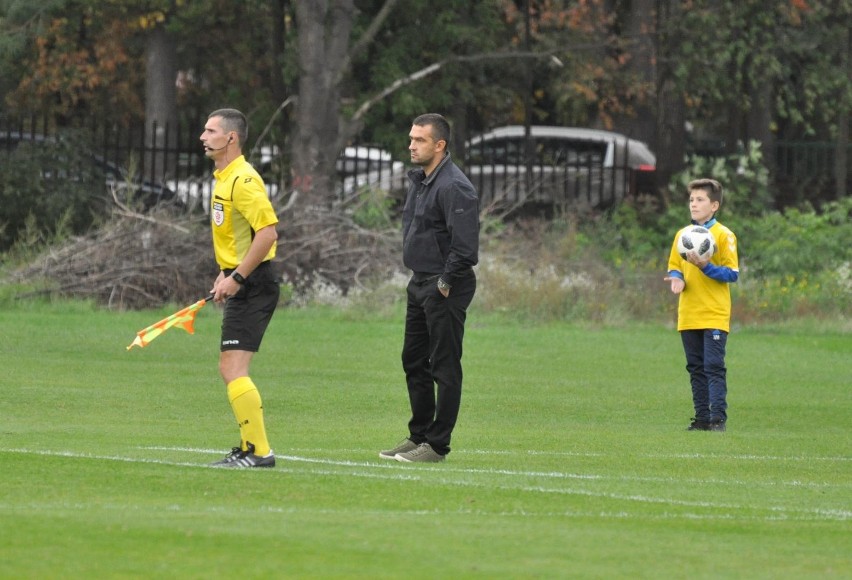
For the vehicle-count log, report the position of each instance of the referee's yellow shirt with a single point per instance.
(239, 207)
(705, 303)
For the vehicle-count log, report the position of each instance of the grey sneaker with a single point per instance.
(403, 446)
(717, 425)
(422, 454)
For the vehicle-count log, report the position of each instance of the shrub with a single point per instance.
(743, 175)
(55, 182)
(373, 208)
(796, 242)
(609, 269)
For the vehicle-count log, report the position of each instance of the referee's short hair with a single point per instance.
(233, 120)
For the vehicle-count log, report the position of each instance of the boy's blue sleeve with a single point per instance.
(720, 273)
(676, 274)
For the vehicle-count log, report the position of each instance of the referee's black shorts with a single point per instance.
(247, 314)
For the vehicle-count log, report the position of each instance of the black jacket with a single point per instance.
(440, 223)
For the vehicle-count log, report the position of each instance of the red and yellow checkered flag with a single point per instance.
(183, 318)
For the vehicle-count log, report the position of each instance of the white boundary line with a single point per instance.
(779, 513)
(511, 472)
(699, 456)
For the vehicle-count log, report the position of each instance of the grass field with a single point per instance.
(570, 457)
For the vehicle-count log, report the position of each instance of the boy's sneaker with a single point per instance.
(717, 425)
(422, 454)
(403, 446)
(238, 458)
(699, 425)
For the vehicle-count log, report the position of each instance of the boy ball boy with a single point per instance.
(704, 307)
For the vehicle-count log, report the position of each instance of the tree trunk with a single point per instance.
(671, 116)
(671, 136)
(160, 104)
(639, 26)
(841, 150)
(324, 30)
(759, 123)
(841, 158)
(277, 50)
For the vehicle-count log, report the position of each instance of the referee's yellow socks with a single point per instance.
(248, 410)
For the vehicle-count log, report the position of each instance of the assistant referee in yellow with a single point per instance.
(244, 241)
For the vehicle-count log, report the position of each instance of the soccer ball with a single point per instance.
(697, 239)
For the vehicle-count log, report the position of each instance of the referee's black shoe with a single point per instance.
(239, 458)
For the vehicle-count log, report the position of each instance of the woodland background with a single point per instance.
(711, 86)
(672, 73)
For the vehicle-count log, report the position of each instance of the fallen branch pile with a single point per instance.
(143, 261)
(327, 245)
(129, 263)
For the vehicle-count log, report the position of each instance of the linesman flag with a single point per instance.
(182, 318)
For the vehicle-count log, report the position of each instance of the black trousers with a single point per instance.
(431, 355)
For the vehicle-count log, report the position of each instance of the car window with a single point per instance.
(497, 152)
(561, 151)
(547, 151)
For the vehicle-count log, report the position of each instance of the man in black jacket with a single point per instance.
(440, 223)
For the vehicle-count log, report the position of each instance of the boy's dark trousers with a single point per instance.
(705, 362)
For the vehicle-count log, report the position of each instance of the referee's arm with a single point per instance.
(264, 239)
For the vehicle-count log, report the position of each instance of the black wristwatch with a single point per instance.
(238, 278)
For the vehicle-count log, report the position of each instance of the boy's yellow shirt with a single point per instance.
(705, 303)
(239, 206)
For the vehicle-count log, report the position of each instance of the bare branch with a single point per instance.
(281, 107)
(398, 84)
(127, 212)
(367, 37)
(435, 67)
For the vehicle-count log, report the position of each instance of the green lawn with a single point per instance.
(570, 458)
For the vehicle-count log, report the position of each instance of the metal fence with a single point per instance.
(163, 162)
(155, 153)
(169, 161)
(806, 172)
